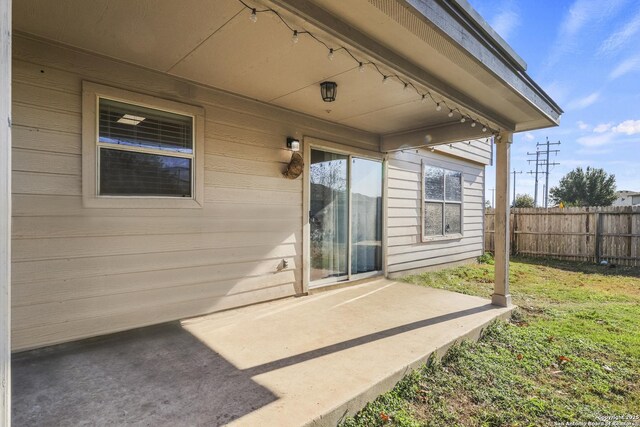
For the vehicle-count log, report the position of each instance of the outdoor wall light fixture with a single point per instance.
(296, 164)
(293, 144)
(328, 91)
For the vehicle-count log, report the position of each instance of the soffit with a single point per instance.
(153, 33)
(400, 28)
(215, 44)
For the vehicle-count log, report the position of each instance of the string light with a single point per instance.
(253, 17)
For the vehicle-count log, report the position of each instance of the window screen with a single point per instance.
(144, 151)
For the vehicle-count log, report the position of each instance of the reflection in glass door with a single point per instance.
(328, 215)
(366, 216)
(345, 200)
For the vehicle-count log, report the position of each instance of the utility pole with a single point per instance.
(535, 191)
(514, 185)
(546, 187)
(544, 162)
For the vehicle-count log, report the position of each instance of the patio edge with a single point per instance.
(349, 408)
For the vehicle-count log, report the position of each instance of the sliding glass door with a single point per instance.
(328, 215)
(366, 216)
(345, 216)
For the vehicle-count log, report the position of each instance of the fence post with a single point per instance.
(512, 230)
(597, 233)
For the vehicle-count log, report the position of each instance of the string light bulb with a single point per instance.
(424, 99)
(253, 17)
(385, 80)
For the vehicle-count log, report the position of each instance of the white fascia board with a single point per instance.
(457, 20)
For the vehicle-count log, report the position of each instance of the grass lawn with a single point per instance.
(571, 353)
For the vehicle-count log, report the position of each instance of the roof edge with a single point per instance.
(475, 20)
(470, 19)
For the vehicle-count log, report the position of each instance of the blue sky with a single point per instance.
(586, 55)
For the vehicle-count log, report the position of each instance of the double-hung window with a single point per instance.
(140, 151)
(143, 151)
(442, 203)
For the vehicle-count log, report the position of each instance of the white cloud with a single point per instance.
(628, 127)
(580, 103)
(602, 127)
(505, 22)
(582, 125)
(556, 90)
(627, 66)
(619, 38)
(595, 140)
(606, 133)
(529, 136)
(582, 14)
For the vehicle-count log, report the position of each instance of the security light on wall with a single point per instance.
(328, 90)
(293, 144)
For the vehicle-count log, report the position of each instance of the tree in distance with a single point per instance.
(523, 201)
(590, 187)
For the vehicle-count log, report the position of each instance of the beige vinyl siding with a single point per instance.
(476, 150)
(81, 272)
(406, 251)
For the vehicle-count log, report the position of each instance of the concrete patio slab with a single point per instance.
(299, 361)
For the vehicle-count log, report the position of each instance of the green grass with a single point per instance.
(571, 353)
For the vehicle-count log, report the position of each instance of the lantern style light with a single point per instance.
(328, 90)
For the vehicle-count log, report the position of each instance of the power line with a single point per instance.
(542, 161)
(546, 186)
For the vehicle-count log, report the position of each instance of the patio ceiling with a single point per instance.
(215, 44)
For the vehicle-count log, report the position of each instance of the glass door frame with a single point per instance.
(310, 143)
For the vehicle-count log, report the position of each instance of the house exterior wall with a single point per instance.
(81, 272)
(406, 250)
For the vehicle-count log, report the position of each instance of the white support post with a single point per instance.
(501, 295)
(5, 212)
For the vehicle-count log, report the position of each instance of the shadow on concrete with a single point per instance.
(156, 376)
(365, 339)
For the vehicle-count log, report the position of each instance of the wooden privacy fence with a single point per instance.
(580, 234)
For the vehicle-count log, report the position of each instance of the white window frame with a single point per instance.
(91, 94)
(444, 236)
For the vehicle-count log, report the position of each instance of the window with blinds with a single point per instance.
(144, 151)
(442, 202)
